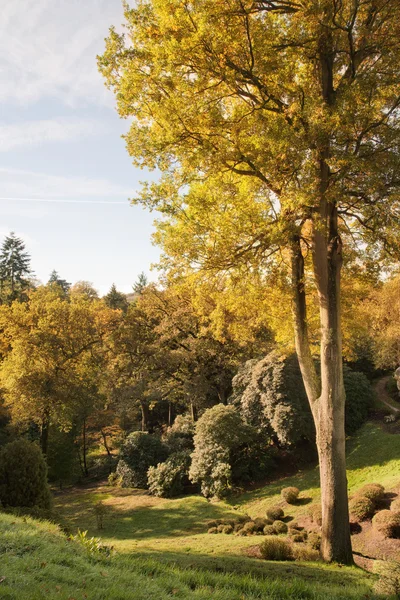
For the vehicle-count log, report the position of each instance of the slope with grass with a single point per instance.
(38, 562)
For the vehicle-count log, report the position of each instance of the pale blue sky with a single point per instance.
(60, 141)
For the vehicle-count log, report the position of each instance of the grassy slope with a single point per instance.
(164, 552)
(37, 562)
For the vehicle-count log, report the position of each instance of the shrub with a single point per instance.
(168, 479)
(93, 546)
(387, 522)
(275, 513)
(316, 514)
(249, 527)
(228, 529)
(179, 436)
(221, 528)
(219, 431)
(23, 476)
(139, 452)
(290, 494)
(269, 530)
(238, 527)
(374, 491)
(260, 523)
(276, 549)
(395, 505)
(280, 527)
(243, 518)
(212, 530)
(241, 532)
(361, 508)
(314, 539)
(211, 524)
(389, 578)
(359, 399)
(298, 538)
(304, 553)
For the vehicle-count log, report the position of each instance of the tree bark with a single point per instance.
(145, 416)
(84, 449)
(44, 435)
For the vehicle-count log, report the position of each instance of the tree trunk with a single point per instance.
(145, 416)
(193, 412)
(84, 449)
(169, 414)
(44, 435)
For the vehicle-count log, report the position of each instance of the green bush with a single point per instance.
(276, 549)
(374, 491)
(269, 530)
(23, 476)
(219, 431)
(389, 578)
(280, 527)
(274, 513)
(387, 522)
(168, 479)
(139, 452)
(93, 546)
(228, 529)
(211, 524)
(249, 527)
(361, 508)
(260, 523)
(290, 494)
(221, 528)
(314, 539)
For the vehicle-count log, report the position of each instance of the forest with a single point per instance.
(260, 372)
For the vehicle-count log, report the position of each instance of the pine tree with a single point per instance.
(115, 299)
(14, 269)
(140, 284)
(56, 280)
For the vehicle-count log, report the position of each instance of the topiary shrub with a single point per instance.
(212, 530)
(219, 431)
(387, 522)
(316, 514)
(374, 491)
(290, 494)
(274, 513)
(168, 479)
(389, 578)
(140, 452)
(23, 476)
(228, 529)
(250, 528)
(269, 530)
(314, 539)
(276, 549)
(280, 527)
(361, 508)
(395, 505)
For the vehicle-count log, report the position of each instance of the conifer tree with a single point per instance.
(14, 270)
(115, 299)
(140, 284)
(55, 279)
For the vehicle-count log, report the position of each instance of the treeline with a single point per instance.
(79, 374)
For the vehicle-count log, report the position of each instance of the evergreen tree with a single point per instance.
(14, 269)
(140, 284)
(56, 280)
(115, 299)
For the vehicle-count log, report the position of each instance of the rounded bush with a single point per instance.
(316, 514)
(269, 530)
(211, 524)
(361, 508)
(243, 518)
(212, 530)
(249, 527)
(140, 452)
(228, 529)
(238, 527)
(298, 538)
(242, 532)
(275, 513)
(387, 522)
(23, 476)
(168, 479)
(221, 528)
(290, 494)
(280, 527)
(260, 523)
(276, 549)
(314, 539)
(374, 491)
(395, 505)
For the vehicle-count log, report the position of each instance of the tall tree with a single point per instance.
(55, 279)
(14, 269)
(288, 112)
(115, 299)
(140, 284)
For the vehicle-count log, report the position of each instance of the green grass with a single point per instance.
(38, 562)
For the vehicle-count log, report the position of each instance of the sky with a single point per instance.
(65, 175)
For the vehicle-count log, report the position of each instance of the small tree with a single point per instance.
(139, 452)
(115, 299)
(23, 476)
(14, 269)
(55, 279)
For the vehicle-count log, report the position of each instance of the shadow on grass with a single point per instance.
(255, 568)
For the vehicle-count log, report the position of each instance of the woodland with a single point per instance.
(266, 350)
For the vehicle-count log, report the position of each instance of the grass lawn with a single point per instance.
(37, 562)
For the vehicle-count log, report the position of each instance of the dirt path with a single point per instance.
(383, 395)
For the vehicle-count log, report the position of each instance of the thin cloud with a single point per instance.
(34, 133)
